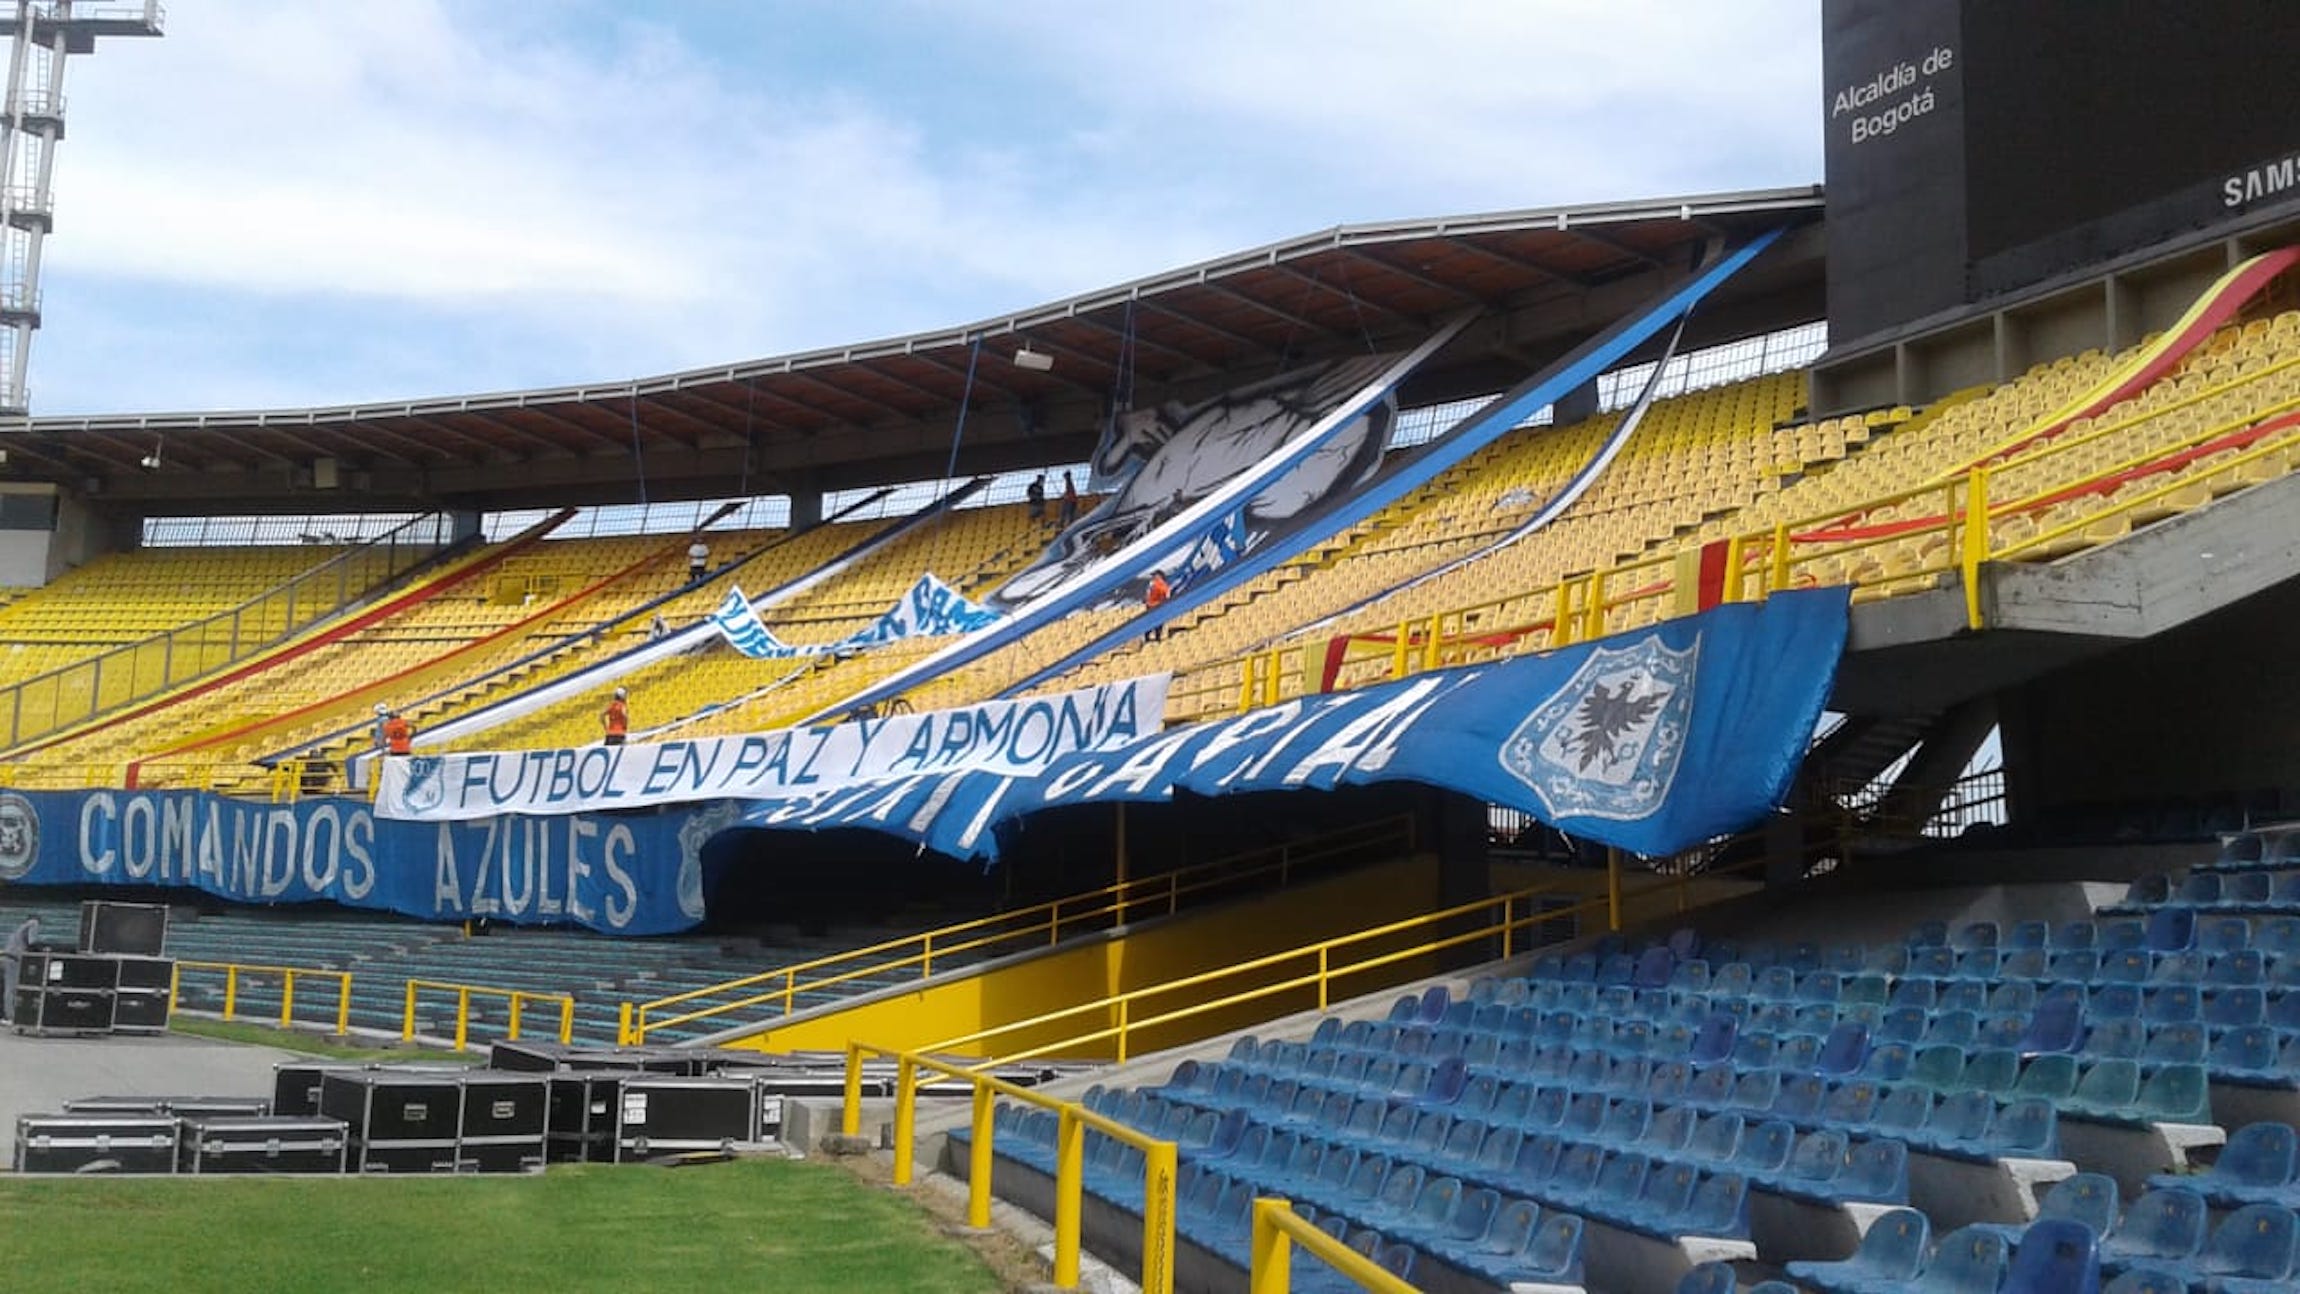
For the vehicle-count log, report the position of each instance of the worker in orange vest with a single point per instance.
(1153, 598)
(617, 719)
(398, 734)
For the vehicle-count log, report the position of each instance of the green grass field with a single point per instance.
(780, 1225)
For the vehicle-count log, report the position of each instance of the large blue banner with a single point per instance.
(1654, 741)
(619, 873)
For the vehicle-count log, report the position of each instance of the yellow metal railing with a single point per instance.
(1515, 912)
(1159, 1158)
(233, 972)
(1041, 925)
(1277, 1229)
(73, 694)
(1963, 511)
(1314, 970)
(463, 995)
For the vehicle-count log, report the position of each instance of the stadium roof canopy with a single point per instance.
(884, 411)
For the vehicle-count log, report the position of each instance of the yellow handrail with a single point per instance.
(463, 995)
(1277, 1228)
(1159, 1158)
(1043, 924)
(1580, 602)
(233, 970)
(1323, 963)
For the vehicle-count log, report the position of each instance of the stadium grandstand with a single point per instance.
(1736, 742)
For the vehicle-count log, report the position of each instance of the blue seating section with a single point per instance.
(383, 953)
(1651, 1090)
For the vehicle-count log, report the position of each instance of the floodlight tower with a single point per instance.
(42, 35)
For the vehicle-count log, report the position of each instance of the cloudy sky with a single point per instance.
(315, 201)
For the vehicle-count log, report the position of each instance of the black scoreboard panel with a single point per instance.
(2096, 126)
(1977, 147)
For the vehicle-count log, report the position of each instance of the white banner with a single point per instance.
(930, 609)
(1009, 738)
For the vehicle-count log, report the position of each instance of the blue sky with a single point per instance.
(288, 202)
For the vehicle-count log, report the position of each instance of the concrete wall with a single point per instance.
(2208, 710)
(1124, 961)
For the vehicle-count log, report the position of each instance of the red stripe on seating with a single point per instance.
(391, 607)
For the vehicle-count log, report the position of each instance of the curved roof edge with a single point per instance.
(1805, 201)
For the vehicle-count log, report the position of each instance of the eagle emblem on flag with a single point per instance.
(1607, 743)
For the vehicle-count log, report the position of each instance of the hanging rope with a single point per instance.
(638, 449)
(958, 432)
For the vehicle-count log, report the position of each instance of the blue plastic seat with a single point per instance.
(1843, 1050)
(2163, 1228)
(2074, 935)
(2171, 1002)
(1912, 992)
(1963, 995)
(2116, 1039)
(2026, 1128)
(1719, 1209)
(2174, 1094)
(1887, 1063)
(2052, 1077)
(1799, 1099)
(1968, 1260)
(2238, 967)
(2246, 890)
(1765, 1148)
(1961, 1123)
(1905, 1109)
(1875, 1171)
(2250, 1057)
(2127, 966)
(2172, 929)
(1814, 1163)
(1991, 1070)
(2235, 1007)
(1940, 1068)
(2258, 1163)
(2122, 933)
(1903, 1024)
(1890, 1255)
(1952, 1029)
(1981, 964)
(1552, 1257)
(2054, 1256)
(1505, 1238)
(1715, 1140)
(2197, 887)
(1934, 961)
(2254, 1248)
(2019, 964)
(2175, 1044)
(2076, 965)
(1709, 1278)
(2278, 936)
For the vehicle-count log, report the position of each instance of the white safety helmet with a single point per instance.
(620, 694)
(381, 708)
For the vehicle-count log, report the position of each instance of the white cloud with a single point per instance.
(466, 197)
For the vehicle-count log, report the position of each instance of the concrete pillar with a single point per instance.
(806, 508)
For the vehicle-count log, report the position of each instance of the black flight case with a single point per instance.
(399, 1121)
(95, 1143)
(59, 993)
(665, 1116)
(182, 1107)
(503, 1124)
(262, 1144)
(145, 994)
(133, 929)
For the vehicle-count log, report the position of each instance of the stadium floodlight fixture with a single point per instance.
(1037, 361)
(151, 462)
